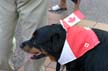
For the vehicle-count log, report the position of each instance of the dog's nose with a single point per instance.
(22, 45)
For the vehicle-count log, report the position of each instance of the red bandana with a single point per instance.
(79, 40)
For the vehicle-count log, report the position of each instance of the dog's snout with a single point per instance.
(22, 45)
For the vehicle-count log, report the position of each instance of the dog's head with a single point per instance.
(46, 40)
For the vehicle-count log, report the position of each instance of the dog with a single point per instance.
(50, 40)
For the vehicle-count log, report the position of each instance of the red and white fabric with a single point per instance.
(79, 40)
(72, 19)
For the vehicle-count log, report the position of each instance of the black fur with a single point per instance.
(51, 38)
(75, 1)
(37, 56)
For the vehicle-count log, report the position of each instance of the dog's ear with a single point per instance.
(55, 40)
(58, 40)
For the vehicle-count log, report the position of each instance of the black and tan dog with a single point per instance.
(49, 41)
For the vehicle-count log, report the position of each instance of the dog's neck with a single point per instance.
(60, 43)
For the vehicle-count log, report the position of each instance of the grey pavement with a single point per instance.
(96, 10)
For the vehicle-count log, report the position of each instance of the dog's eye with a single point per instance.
(34, 34)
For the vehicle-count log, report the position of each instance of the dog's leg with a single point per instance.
(57, 67)
(60, 67)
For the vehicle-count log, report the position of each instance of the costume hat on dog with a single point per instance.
(79, 40)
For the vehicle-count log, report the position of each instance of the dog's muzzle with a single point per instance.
(22, 45)
(26, 43)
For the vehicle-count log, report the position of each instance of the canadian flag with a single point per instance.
(79, 40)
(72, 19)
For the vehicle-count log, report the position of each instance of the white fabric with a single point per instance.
(56, 7)
(72, 19)
(66, 55)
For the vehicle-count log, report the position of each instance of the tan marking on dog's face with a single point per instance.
(31, 50)
(52, 58)
(35, 51)
(27, 48)
(38, 52)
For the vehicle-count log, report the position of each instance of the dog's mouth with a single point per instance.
(37, 53)
(30, 49)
